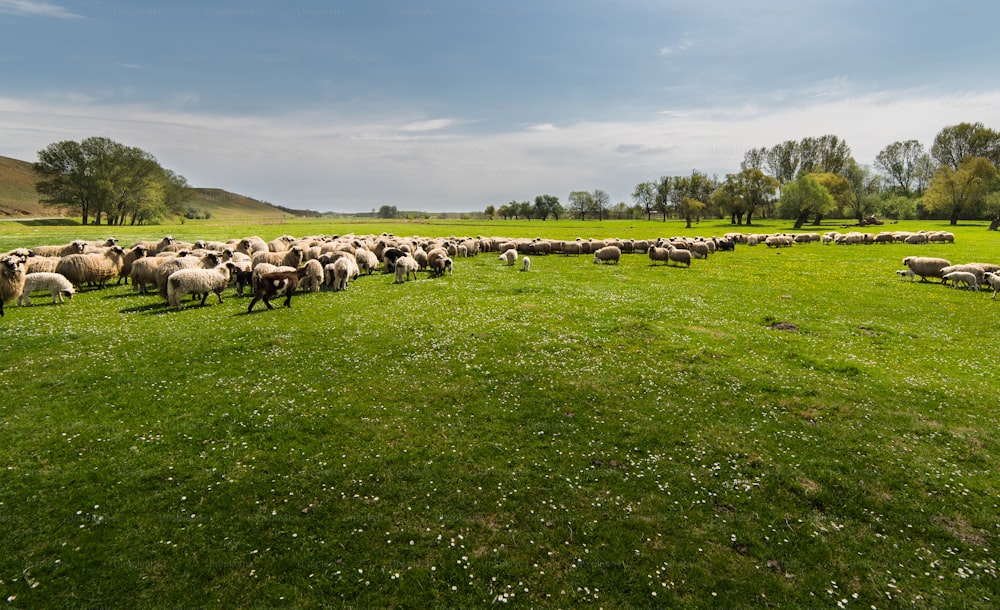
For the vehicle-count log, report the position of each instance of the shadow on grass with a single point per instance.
(48, 222)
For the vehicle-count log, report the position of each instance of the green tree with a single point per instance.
(580, 203)
(804, 197)
(644, 195)
(838, 187)
(956, 142)
(744, 193)
(388, 211)
(899, 162)
(690, 194)
(862, 196)
(546, 205)
(599, 202)
(955, 192)
(505, 211)
(99, 177)
(490, 212)
(525, 209)
(662, 201)
(783, 160)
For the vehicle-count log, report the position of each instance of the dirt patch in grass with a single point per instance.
(784, 326)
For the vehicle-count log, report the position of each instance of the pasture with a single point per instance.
(605, 435)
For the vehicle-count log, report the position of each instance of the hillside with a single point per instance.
(19, 199)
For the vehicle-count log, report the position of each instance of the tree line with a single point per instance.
(810, 179)
(105, 181)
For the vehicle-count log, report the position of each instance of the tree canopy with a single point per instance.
(104, 180)
(958, 191)
(803, 198)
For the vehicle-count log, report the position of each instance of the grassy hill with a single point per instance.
(19, 199)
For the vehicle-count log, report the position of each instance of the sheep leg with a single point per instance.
(288, 300)
(218, 294)
(204, 297)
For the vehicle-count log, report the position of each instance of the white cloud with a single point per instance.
(327, 160)
(33, 8)
(684, 44)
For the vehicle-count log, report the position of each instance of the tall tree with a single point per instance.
(663, 188)
(690, 195)
(490, 212)
(803, 198)
(744, 193)
(899, 163)
(67, 180)
(862, 198)
(755, 158)
(580, 203)
(600, 200)
(956, 142)
(783, 161)
(644, 196)
(958, 191)
(546, 205)
(838, 187)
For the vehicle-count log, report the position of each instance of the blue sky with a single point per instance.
(451, 106)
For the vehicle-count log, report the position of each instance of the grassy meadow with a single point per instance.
(611, 436)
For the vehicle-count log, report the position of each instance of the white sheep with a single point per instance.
(969, 279)
(658, 254)
(366, 260)
(292, 257)
(74, 247)
(607, 254)
(925, 266)
(678, 255)
(526, 264)
(56, 284)
(183, 282)
(905, 273)
(405, 265)
(92, 268)
(993, 279)
(313, 279)
(343, 270)
(210, 260)
(36, 264)
(11, 280)
(509, 256)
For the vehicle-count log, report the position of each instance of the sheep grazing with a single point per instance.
(658, 254)
(993, 279)
(183, 282)
(905, 273)
(964, 277)
(391, 255)
(11, 280)
(442, 265)
(209, 260)
(92, 269)
(155, 247)
(292, 257)
(74, 247)
(607, 254)
(925, 266)
(56, 285)
(131, 255)
(509, 256)
(341, 271)
(404, 266)
(974, 268)
(526, 264)
(313, 279)
(275, 284)
(144, 271)
(366, 260)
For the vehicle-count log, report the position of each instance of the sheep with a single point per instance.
(778, 241)
(526, 264)
(444, 264)
(366, 260)
(183, 282)
(658, 254)
(341, 271)
(509, 257)
(57, 285)
(405, 265)
(23, 254)
(313, 279)
(37, 264)
(391, 255)
(292, 257)
(251, 245)
(92, 268)
(993, 279)
(925, 266)
(916, 238)
(905, 273)
(155, 247)
(274, 284)
(131, 255)
(144, 272)
(99, 246)
(607, 254)
(572, 247)
(678, 255)
(11, 280)
(206, 261)
(969, 279)
(74, 247)
(973, 268)
(263, 268)
(699, 249)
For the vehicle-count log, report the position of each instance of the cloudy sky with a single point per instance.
(443, 105)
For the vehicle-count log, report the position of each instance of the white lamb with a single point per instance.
(56, 284)
(969, 279)
(993, 279)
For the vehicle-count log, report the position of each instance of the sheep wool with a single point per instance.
(607, 254)
(925, 266)
(55, 284)
(183, 282)
(11, 280)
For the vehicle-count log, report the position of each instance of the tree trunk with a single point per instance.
(801, 220)
(749, 216)
(688, 225)
(995, 224)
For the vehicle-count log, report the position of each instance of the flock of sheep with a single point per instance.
(286, 264)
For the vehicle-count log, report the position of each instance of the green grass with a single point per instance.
(617, 436)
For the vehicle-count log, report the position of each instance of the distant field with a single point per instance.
(615, 436)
